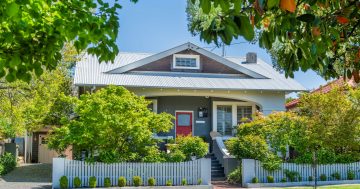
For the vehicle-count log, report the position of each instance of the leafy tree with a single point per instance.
(264, 138)
(333, 126)
(322, 35)
(325, 129)
(33, 33)
(114, 124)
(42, 101)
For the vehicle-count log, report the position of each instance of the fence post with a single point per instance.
(247, 171)
(205, 171)
(58, 170)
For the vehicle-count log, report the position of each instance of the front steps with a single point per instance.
(217, 171)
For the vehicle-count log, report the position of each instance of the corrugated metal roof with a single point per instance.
(89, 72)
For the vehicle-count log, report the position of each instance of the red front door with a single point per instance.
(184, 123)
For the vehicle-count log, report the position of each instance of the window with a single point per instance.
(244, 112)
(224, 120)
(185, 61)
(184, 120)
(153, 105)
(227, 114)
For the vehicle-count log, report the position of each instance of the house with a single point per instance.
(324, 89)
(208, 94)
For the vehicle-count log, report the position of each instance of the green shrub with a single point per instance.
(168, 183)
(184, 182)
(291, 175)
(8, 162)
(64, 182)
(137, 181)
(336, 176)
(107, 182)
(199, 182)
(300, 178)
(151, 181)
(122, 181)
(350, 175)
(255, 180)
(283, 180)
(1, 169)
(235, 176)
(311, 178)
(77, 182)
(270, 179)
(323, 177)
(92, 182)
(190, 146)
(175, 156)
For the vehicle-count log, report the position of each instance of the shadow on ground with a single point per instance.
(224, 185)
(29, 173)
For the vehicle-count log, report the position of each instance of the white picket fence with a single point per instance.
(191, 171)
(253, 168)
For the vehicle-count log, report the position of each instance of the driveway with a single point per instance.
(28, 176)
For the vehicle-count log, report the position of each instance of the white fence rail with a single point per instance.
(191, 171)
(253, 168)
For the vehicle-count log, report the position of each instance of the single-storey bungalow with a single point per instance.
(208, 94)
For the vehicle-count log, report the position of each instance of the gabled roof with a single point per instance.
(186, 46)
(89, 72)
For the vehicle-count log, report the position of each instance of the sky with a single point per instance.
(156, 25)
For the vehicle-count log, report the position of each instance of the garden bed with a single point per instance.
(305, 183)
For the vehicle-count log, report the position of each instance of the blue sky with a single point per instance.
(157, 25)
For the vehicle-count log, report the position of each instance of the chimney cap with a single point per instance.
(251, 57)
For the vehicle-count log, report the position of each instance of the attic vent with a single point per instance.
(251, 57)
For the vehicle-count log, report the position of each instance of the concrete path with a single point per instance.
(224, 185)
(28, 176)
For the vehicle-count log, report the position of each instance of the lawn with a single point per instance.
(350, 186)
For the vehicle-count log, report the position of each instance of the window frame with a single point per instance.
(234, 105)
(196, 57)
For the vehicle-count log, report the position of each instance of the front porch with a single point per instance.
(201, 115)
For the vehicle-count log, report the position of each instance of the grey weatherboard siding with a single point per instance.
(170, 104)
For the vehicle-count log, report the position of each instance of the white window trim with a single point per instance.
(193, 122)
(233, 105)
(197, 57)
(155, 105)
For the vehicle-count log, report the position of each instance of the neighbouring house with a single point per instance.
(324, 89)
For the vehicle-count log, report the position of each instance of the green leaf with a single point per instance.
(15, 60)
(237, 5)
(272, 3)
(205, 6)
(224, 4)
(12, 9)
(306, 18)
(246, 29)
(10, 77)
